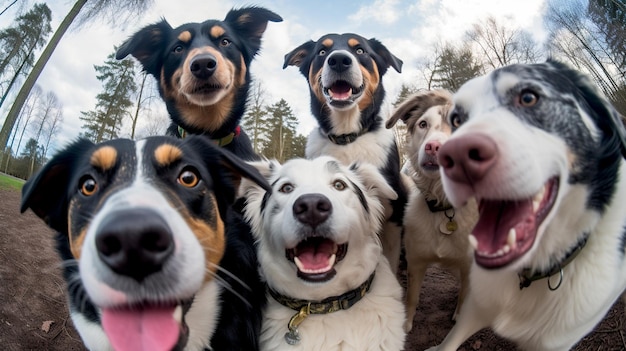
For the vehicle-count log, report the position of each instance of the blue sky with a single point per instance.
(407, 28)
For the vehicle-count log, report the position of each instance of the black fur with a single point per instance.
(50, 191)
(162, 52)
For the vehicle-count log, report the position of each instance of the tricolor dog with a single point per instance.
(345, 72)
(435, 232)
(329, 287)
(203, 71)
(153, 256)
(542, 152)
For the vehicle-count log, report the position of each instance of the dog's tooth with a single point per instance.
(538, 198)
(178, 314)
(331, 261)
(473, 241)
(506, 249)
(511, 239)
(298, 263)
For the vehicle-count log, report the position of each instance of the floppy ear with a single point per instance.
(298, 55)
(417, 104)
(250, 23)
(388, 58)
(146, 46)
(374, 181)
(46, 193)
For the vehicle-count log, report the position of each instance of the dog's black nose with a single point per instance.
(203, 66)
(134, 243)
(339, 61)
(312, 209)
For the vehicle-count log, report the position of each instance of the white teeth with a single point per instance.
(538, 198)
(473, 241)
(511, 240)
(331, 263)
(178, 314)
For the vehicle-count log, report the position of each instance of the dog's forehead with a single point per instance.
(318, 170)
(205, 31)
(342, 41)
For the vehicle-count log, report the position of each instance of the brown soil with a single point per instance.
(34, 315)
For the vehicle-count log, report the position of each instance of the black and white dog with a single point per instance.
(543, 153)
(329, 287)
(153, 256)
(345, 74)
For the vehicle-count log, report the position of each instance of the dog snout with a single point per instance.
(467, 159)
(203, 66)
(134, 243)
(432, 147)
(339, 61)
(312, 209)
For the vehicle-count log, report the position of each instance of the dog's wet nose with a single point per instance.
(134, 243)
(312, 209)
(467, 159)
(339, 61)
(203, 66)
(432, 147)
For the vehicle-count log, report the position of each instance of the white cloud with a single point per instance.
(381, 11)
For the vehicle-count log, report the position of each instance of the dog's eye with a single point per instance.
(455, 120)
(286, 188)
(322, 52)
(339, 185)
(422, 124)
(188, 178)
(88, 186)
(528, 98)
(177, 48)
(225, 42)
(360, 51)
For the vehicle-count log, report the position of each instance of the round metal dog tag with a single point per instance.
(448, 227)
(292, 337)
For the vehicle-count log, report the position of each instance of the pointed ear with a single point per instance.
(298, 55)
(416, 104)
(146, 46)
(46, 193)
(388, 58)
(250, 23)
(374, 181)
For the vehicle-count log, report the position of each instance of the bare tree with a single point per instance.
(53, 125)
(29, 111)
(49, 108)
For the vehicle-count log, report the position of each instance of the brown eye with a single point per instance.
(422, 124)
(455, 120)
(286, 188)
(528, 99)
(339, 185)
(188, 178)
(88, 186)
(225, 42)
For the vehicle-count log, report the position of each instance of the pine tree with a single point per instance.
(118, 78)
(281, 124)
(253, 120)
(455, 68)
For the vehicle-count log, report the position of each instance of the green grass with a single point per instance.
(7, 182)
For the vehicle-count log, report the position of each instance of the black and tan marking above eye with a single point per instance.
(167, 154)
(104, 158)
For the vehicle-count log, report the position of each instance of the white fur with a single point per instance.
(535, 317)
(373, 323)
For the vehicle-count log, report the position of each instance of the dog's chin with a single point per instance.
(342, 95)
(430, 169)
(507, 229)
(146, 326)
(315, 258)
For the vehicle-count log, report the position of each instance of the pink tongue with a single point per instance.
(497, 218)
(315, 257)
(149, 329)
(341, 91)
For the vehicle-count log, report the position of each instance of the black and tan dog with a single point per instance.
(203, 72)
(153, 255)
(345, 73)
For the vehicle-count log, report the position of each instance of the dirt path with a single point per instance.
(34, 315)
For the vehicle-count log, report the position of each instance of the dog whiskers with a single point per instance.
(221, 281)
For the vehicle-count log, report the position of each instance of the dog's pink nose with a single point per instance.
(467, 159)
(312, 209)
(432, 147)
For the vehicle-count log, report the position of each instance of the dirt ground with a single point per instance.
(34, 316)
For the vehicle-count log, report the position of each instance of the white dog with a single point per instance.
(329, 286)
(543, 154)
(435, 232)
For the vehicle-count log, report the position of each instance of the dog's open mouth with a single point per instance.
(507, 229)
(206, 89)
(145, 327)
(342, 93)
(316, 257)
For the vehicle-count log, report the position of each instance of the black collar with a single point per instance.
(219, 141)
(527, 275)
(434, 207)
(328, 305)
(344, 139)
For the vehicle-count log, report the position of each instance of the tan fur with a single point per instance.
(425, 243)
(166, 154)
(104, 158)
(217, 31)
(185, 36)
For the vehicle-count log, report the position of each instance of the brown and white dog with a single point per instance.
(345, 73)
(434, 230)
(543, 154)
(329, 286)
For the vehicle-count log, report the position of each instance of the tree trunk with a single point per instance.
(13, 80)
(37, 69)
(143, 82)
